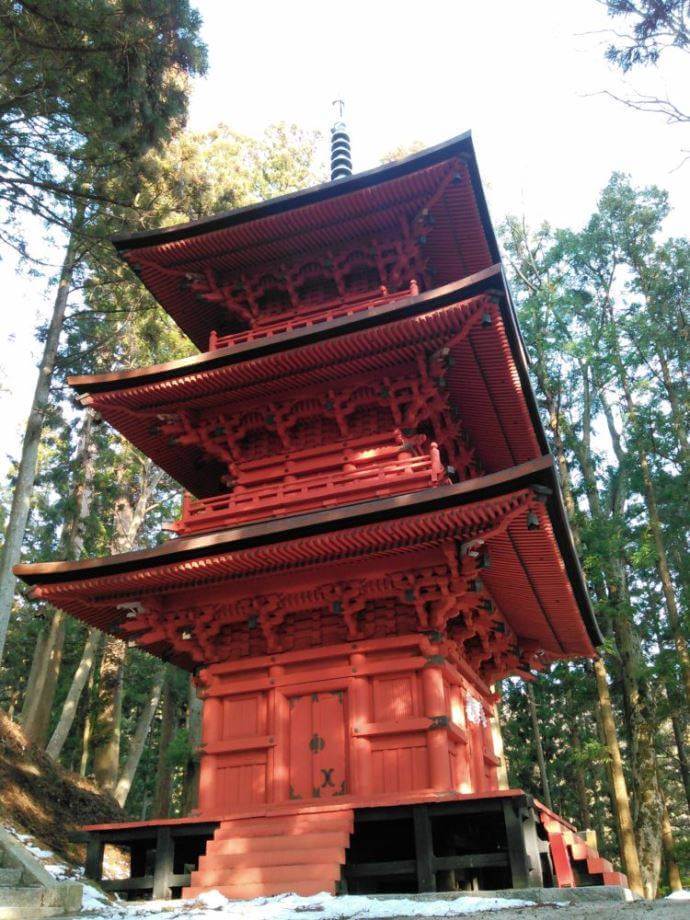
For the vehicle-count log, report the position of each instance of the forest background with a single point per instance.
(91, 143)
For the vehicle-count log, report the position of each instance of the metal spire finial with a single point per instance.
(341, 156)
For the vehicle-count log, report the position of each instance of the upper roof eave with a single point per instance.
(461, 145)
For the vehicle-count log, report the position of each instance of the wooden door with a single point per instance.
(318, 745)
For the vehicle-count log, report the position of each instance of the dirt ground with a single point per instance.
(638, 910)
(41, 798)
(601, 910)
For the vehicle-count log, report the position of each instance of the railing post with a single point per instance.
(213, 340)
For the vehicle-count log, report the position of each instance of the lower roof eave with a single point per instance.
(535, 473)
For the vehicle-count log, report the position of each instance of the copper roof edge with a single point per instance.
(461, 144)
(471, 286)
(535, 472)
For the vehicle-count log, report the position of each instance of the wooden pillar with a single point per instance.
(94, 858)
(424, 849)
(360, 715)
(212, 726)
(280, 780)
(437, 738)
(163, 866)
(497, 746)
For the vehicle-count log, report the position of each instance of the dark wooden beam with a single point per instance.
(523, 847)
(390, 867)
(163, 867)
(94, 858)
(424, 849)
(470, 861)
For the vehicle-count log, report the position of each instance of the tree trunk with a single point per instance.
(37, 708)
(87, 732)
(124, 784)
(647, 796)
(580, 783)
(626, 832)
(679, 736)
(610, 592)
(649, 491)
(161, 797)
(128, 517)
(36, 666)
(69, 708)
(536, 732)
(26, 474)
(638, 697)
(106, 750)
(674, 880)
(39, 699)
(191, 777)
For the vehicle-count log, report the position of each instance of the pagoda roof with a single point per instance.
(462, 241)
(488, 380)
(534, 574)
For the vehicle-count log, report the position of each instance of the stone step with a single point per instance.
(304, 887)
(10, 878)
(287, 856)
(311, 841)
(286, 824)
(33, 903)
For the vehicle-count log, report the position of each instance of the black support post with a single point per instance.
(424, 849)
(523, 845)
(163, 867)
(94, 858)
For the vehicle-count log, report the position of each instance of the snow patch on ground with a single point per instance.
(93, 899)
(60, 871)
(682, 895)
(212, 906)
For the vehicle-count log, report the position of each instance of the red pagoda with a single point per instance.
(371, 536)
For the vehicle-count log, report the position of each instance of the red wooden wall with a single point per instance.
(376, 719)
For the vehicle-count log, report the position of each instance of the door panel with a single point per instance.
(241, 776)
(318, 745)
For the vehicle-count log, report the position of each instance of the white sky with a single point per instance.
(527, 79)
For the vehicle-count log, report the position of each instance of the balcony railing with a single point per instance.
(309, 316)
(322, 490)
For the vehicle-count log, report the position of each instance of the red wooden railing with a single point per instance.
(309, 316)
(318, 490)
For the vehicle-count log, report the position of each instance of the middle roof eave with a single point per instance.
(481, 282)
(130, 400)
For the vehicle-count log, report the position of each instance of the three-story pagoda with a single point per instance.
(371, 536)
